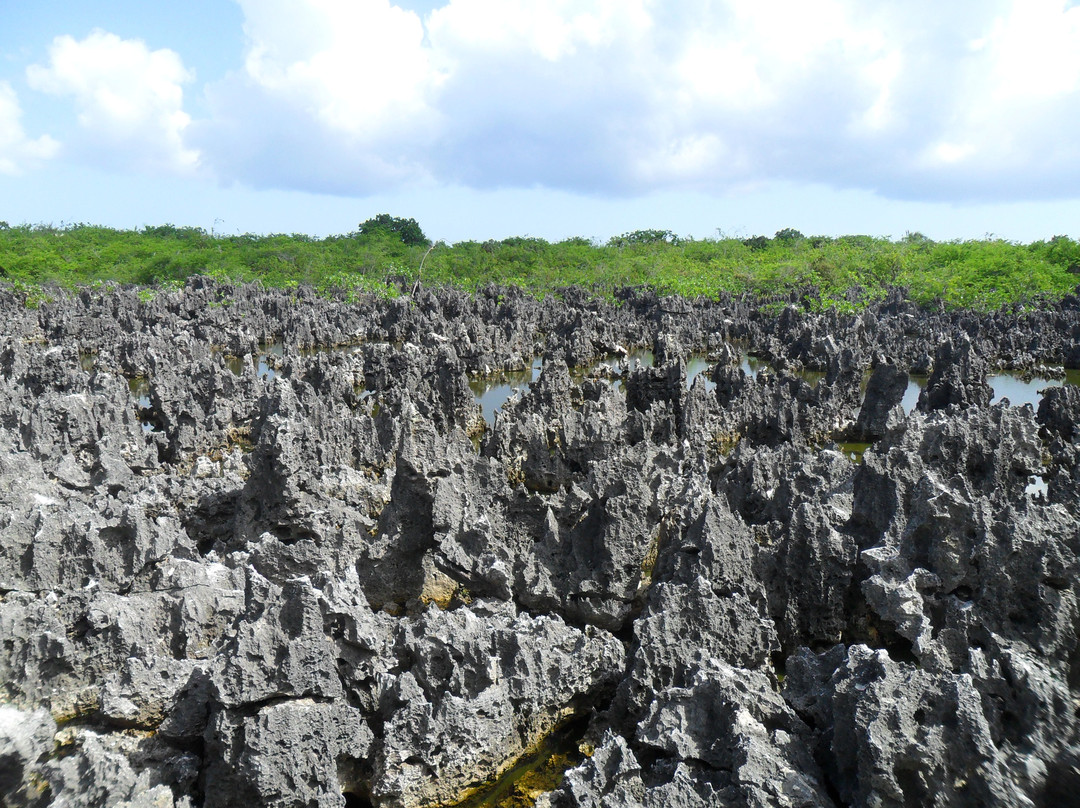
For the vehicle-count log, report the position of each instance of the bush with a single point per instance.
(985, 274)
(644, 237)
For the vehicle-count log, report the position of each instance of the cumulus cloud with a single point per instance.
(17, 151)
(129, 100)
(355, 67)
(334, 97)
(973, 99)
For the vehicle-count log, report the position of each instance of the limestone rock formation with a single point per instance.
(272, 553)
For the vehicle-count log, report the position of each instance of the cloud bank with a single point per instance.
(976, 100)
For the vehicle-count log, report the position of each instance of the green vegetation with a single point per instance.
(385, 255)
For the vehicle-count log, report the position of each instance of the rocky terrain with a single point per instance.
(262, 548)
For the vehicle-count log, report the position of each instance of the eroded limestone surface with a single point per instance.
(232, 574)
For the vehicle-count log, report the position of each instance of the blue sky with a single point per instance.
(552, 118)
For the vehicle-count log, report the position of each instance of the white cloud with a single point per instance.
(596, 95)
(968, 100)
(549, 29)
(17, 151)
(1015, 99)
(334, 97)
(356, 67)
(1034, 51)
(129, 100)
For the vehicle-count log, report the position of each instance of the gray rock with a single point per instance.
(884, 392)
(293, 752)
(26, 743)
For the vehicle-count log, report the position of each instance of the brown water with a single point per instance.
(853, 450)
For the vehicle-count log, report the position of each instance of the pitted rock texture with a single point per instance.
(261, 547)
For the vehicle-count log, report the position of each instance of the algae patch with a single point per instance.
(853, 450)
(537, 772)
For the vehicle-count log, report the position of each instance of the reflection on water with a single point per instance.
(345, 350)
(618, 364)
(261, 360)
(752, 366)
(915, 384)
(1036, 486)
(235, 364)
(696, 366)
(492, 392)
(1018, 391)
(263, 364)
(139, 387)
(86, 361)
(263, 369)
(614, 368)
(1005, 385)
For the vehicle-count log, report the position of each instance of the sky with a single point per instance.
(549, 118)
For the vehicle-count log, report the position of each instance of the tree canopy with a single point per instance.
(408, 230)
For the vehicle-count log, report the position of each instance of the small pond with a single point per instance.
(1004, 384)
(263, 365)
(853, 450)
(915, 384)
(139, 387)
(261, 360)
(696, 366)
(492, 392)
(1018, 391)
